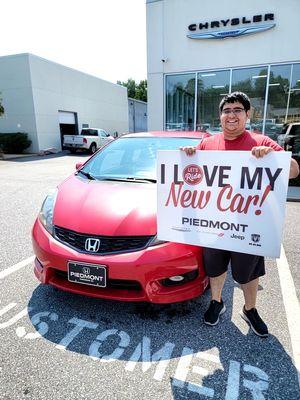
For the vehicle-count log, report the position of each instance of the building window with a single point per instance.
(252, 81)
(282, 97)
(293, 114)
(212, 86)
(180, 102)
(279, 86)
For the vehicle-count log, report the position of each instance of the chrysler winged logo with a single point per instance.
(92, 245)
(255, 238)
(230, 33)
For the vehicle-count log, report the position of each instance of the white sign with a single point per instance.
(223, 199)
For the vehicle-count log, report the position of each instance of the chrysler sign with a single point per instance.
(237, 27)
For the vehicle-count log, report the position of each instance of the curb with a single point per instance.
(293, 199)
(15, 156)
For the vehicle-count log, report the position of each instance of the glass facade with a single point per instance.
(192, 99)
(180, 102)
(211, 87)
(253, 82)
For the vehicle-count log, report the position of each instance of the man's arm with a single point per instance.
(294, 169)
(261, 151)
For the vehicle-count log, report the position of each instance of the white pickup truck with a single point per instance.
(90, 139)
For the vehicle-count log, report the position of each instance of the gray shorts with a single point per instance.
(244, 267)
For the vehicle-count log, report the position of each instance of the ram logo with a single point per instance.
(255, 237)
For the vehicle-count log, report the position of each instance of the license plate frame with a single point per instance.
(87, 274)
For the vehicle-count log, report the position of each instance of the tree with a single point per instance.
(135, 90)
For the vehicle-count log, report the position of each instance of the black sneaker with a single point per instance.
(215, 309)
(256, 323)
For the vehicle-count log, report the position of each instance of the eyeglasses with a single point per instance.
(235, 111)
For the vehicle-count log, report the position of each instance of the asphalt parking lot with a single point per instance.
(55, 345)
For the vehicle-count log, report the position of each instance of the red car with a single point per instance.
(96, 233)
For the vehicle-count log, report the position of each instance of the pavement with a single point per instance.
(293, 193)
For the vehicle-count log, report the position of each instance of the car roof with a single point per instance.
(174, 134)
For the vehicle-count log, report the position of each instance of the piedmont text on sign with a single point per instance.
(223, 199)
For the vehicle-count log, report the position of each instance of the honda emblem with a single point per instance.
(92, 245)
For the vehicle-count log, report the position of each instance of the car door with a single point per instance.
(292, 140)
(105, 137)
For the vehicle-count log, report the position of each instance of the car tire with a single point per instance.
(93, 148)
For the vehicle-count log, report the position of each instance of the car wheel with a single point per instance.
(93, 148)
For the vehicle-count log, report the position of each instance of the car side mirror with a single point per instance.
(79, 165)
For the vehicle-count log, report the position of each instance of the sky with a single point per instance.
(104, 38)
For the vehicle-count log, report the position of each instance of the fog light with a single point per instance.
(180, 279)
(177, 278)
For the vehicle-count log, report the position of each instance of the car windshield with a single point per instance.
(132, 159)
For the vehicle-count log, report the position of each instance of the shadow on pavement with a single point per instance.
(232, 365)
(46, 157)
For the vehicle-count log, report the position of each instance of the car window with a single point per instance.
(295, 130)
(89, 132)
(133, 157)
(103, 134)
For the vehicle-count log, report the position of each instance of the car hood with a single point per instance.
(108, 208)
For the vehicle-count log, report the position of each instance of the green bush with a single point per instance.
(14, 143)
(296, 181)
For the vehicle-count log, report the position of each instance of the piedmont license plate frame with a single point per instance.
(87, 274)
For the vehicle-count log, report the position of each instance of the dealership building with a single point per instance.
(48, 100)
(198, 51)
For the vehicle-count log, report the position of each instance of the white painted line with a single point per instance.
(291, 305)
(16, 267)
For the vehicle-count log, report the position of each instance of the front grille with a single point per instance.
(122, 284)
(108, 244)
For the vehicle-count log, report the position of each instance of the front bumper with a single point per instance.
(145, 270)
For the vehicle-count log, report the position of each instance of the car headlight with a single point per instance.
(154, 241)
(46, 213)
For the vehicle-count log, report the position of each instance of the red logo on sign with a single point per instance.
(192, 174)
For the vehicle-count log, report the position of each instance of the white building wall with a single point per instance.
(137, 115)
(34, 90)
(99, 103)
(155, 65)
(16, 94)
(167, 29)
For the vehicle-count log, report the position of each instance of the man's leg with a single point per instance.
(249, 312)
(216, 286)
(215, 263)
(216, 306)
(250, 293)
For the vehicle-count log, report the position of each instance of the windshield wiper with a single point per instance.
(87, 174)
(130, 179)
(143, 180)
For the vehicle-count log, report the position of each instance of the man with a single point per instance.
(246, 268)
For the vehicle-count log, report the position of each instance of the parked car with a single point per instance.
(213, 130)
(289, 139)
(90, 139)
(96, 233)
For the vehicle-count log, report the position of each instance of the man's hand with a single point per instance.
(189, 150)
(261, 151)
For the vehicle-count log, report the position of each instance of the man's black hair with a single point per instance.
(235, 97)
